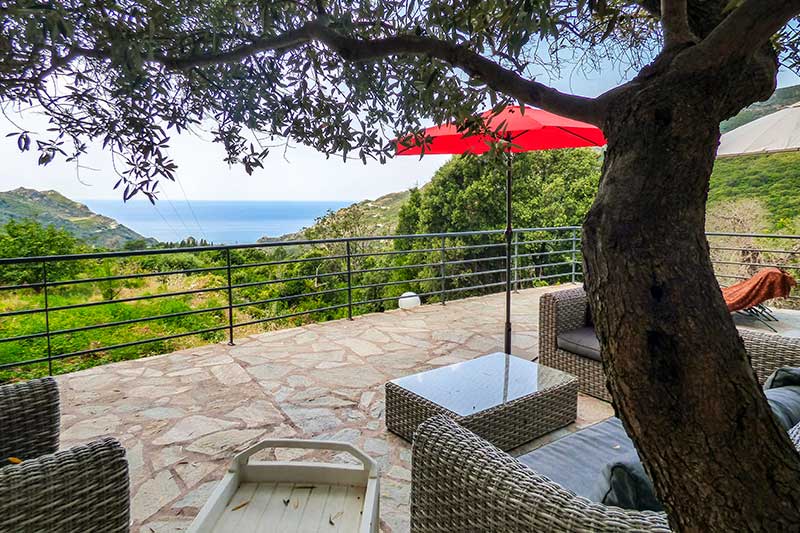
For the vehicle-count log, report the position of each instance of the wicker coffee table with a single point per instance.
(506, 400)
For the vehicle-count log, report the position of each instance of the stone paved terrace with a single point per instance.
(182, 416)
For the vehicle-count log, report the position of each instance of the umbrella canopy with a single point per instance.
(777, 132)
(528, 129)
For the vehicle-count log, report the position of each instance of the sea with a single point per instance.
(223, 222)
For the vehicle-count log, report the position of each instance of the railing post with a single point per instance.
(574, 253)
(47, 319)
(442, 272)
(349, 280)
(516, 262)
(230, 297)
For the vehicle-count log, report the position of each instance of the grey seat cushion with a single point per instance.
(599, 463)
(581, 341)
(785, 405)
(628, 486)
(783, 394)
(577, 461)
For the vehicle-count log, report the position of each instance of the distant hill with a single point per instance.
(771, 181)
(382, 215)
(779, 99)
(51, 207)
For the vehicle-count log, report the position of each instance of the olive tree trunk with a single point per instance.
(676, 368)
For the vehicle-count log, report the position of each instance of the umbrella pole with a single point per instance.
(508, 235)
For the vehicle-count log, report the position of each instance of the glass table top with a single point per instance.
(482, 383)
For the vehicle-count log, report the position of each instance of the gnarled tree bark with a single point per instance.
(675, 365)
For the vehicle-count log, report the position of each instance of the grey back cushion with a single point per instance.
(581, 341)
(783, 394)
(599, 463)
(628, 486)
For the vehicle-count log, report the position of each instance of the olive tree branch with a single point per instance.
(750, 25)
(675, 23)
(357, 49)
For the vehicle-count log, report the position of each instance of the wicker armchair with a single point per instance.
(81, 489)
(462, 483)
(565, 310)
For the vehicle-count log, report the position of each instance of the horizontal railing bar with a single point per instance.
(273, 244)
(544, 265)
(289, 297)
(752, 235)
(109, 302)
(21, 286)
(476, 260)
(138, 320)
(539, 254)
(472, 246)
(389, 269)
(546, 241)
(287, 261)
(550, 276)
(22, 312)
(761, 250)
(136, 298)
(390, 283)
(16, 364)
(284, 280)
(431, 293)
(24, 337)
(290, 315)
(475, 273)
(767, 265)
(395, 252)
(132, 276)
(115, 346)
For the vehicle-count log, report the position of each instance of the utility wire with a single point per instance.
(177, 214)
(167, 223)
(191, 210)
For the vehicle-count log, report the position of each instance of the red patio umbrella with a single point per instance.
(523, 129)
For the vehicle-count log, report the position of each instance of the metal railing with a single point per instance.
(247, 285)
(737, 256)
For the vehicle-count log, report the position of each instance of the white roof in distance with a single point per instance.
(777, 132)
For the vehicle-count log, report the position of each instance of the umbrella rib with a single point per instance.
(579, 136)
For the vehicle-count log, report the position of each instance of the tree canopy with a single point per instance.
(343, 76)
(551, 188)
(347, 77)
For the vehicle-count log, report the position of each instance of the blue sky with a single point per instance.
(300, 174)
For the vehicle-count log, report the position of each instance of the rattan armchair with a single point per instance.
(81, 489)
(563, 311)
(566, 310)
(462, 483)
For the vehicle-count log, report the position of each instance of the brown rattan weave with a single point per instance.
(462, 483)
(29, 419)
(567, 310)
(559, 312)
(507, 425)
(82, 489)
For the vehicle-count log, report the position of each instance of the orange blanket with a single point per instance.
(766, 284)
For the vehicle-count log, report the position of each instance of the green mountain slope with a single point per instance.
(760, 189)
(779, 99)
(376, 217)
(51, 207)
(772, 180)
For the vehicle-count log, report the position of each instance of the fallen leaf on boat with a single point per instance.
(240, 505)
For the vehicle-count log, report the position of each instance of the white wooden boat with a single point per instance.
(283, 497)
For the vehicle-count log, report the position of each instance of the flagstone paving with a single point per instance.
(182, 416)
